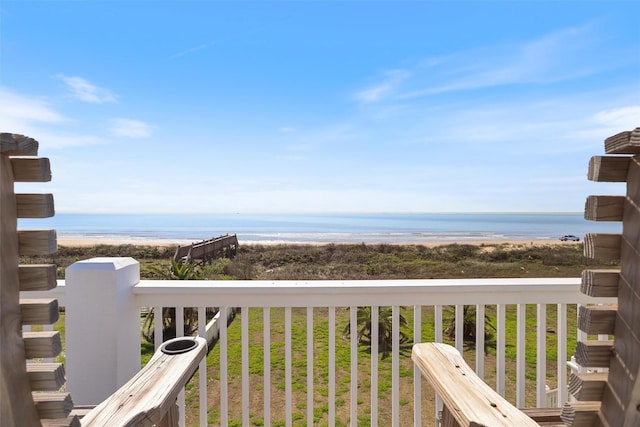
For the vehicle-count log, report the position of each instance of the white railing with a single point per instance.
(293, 330)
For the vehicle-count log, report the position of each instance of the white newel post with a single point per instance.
(102, 327)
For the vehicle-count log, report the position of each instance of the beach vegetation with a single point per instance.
(356, 262)
(385, 327)
(176, 270)
(352, 261)
(469, 327)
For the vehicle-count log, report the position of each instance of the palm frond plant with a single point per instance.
(469, 327)
(177, 270)
(385, 329)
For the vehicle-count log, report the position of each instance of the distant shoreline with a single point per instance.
(116, 241)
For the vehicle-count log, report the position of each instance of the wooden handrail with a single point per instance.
(149, 397)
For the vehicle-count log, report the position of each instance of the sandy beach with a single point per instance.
(88, 242)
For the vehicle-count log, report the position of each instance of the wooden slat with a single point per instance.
(581, 414)
(53, 405)
(594, 354)
(623, 143)
(13, 144)
(35, 205)
(37, 277)
(31, 170)
(597, 319)
(39, 311)
(588, 386)
(70, 421)
(543, 415)
(37, 242)
(604, 208)
(602, 246)
(600, 283)
(470, 400)
(608, 168)
(46, 376)
(42, 344)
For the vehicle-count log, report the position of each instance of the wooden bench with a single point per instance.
(30, 391)
(603, 399)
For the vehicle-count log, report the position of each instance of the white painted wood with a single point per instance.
(437, 315)
(324, 293)
(562, 354)
(581, 335)
(437, 320)
(541, 356)
(500, 346)
(96, 368)
(375, 329)
(417, 375)
(202, 369)
(353, 341)
(521, 331)
(332, 366)
(180, 398)
(179, 321)
(245, 363)
(158, 338)
(480, 340)
(224, 393)
(266, 344)
(427, 292)
(310, 354)
(287, 367)
(459, 322)
(395, 366)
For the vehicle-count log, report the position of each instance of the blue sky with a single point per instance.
(317, 106)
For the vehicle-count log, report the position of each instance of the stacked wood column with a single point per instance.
(29, 392)
(611, 399)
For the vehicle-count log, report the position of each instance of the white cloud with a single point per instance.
(130, 128)
(556, 56)
(393, 78)
(86, 91)
(35, 117)
(620, 118)
(608, 122)
(23, 108)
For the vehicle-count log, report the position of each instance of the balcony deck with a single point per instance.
(285, 360)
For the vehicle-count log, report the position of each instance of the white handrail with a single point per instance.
(331, 295)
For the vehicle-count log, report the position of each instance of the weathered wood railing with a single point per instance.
(207, 250)
(304, 307)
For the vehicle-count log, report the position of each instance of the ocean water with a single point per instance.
(338, 228)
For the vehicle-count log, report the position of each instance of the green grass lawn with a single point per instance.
(343, 368)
